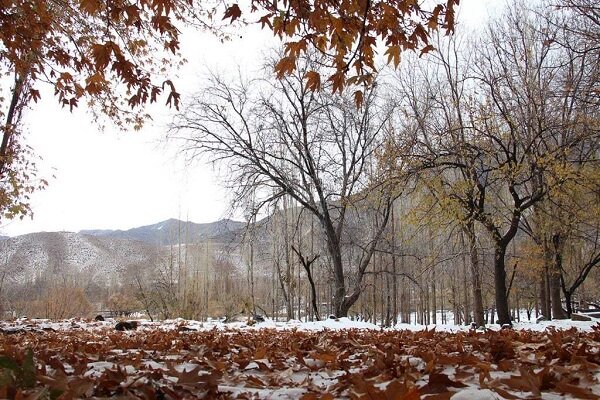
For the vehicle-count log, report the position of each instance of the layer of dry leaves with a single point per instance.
(158, 364)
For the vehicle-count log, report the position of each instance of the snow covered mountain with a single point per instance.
(27, 257)
(174, 231)
(103, 256)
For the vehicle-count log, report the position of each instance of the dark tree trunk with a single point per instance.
(344, 300)
(547, 294)
(313, 294)
(11, 119)
(347, 302)
(339, 283)
(394, 292)
(501, 242)
(557, 311)
(569, 303)
(394, 272)
(307, 263)
(502, 308)
(475, 276)
(544, 306)
(467, 312)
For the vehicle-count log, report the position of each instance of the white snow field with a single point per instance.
(327, 324)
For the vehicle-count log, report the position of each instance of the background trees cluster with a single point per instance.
(478, 161)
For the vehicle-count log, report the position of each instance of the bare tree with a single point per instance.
(278, 138)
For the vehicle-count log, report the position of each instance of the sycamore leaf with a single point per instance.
(260, 353)
(315, 396)
(101, 54)
(173, 97)
(254, 382)
(325, 357)
(432, 24)
(576, 391)
(72, 103)
(186, 376)
(449, 17)
(397, 389)
(90, 6)
(233, 12)
(393, 53)
(265, 20)
(338, 81)
(313, 81)
(295, 48)
(35, 94)
(505, 393)
(421, 33)
(426, 50)
(285, 66)
(358, 98)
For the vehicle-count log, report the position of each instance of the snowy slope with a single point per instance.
(26, 257)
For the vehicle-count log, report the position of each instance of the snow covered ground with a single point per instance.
(328, 324)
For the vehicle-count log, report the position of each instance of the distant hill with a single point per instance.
(103, 255)
(23, 258)
(174, 231)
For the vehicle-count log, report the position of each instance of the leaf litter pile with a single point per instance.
(96, 361)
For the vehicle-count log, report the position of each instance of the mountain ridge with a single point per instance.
(173, 231)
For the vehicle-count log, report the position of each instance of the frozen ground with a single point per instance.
(305, 360)
(328, 324)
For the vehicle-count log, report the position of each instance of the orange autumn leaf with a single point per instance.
(313, 80)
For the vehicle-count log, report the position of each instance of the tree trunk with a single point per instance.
(467, 312)
(544, 295)
(306, 263)
(286, 280)
(569, 303)
(502, 308)
(433, 297)
(475, 276)
(313, 292)
(394, 272)
(557, 311)
(339, 301)
(12, 118)
(388, 298)
(404, 302)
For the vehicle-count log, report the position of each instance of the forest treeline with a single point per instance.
(465, 186)
(466, 180)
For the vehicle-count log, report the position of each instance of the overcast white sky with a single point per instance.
(117, 180)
